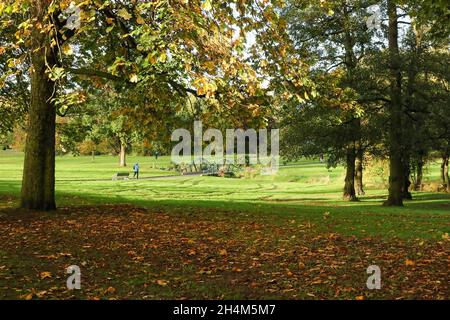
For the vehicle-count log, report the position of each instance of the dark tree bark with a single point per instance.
(359, 172)
(38, 184)
(415, 141)
(406, 179)
(395, 197)
(419, 174)
(123, 155)
(353, 127)
(349, 188)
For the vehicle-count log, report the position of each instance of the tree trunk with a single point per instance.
(359, 172)
(419, 175)
(38, 183)
(396, 174)
(442, 171)
(445, 175)
(123, 155)
(349, 188)
(406, 179)
(93, 155)
(355, 125)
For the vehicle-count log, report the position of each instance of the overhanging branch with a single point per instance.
(94, 73)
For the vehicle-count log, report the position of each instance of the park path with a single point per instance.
(156, 177)
(141, 178)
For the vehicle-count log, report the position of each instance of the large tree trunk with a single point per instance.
(359, 172)
(349, 188)
(38, 184)
(396, 174)
(123, 155)
(354, 126)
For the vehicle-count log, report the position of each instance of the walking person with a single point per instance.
(136, 170)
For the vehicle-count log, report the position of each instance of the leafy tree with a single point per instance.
(186, 47)
(336, 35)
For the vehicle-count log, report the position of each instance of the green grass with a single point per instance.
(305, 190)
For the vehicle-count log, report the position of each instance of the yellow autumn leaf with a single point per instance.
(140, 20)
(206, 5)
(67, 49)
(40, 294)
(223, 252)
(359, 298)
(152, 58)
(163, 57)
(162, 282)
(45, 275)
(110, 290)
(12, 62)
(134, 78)
(409, 262)
(123, 13)
(29, 296)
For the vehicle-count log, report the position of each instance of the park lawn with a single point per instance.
(283, 236)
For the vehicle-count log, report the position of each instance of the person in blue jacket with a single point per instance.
(136, 170)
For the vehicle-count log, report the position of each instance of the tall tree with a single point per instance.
(336, 34)
(395, 110)
(193, 47)
(38, 184)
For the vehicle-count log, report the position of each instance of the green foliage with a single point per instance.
(432, 15)
(351, 72)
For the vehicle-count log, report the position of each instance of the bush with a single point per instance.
(104, 147)
(86, 147)
(377, 172)
(249, 172)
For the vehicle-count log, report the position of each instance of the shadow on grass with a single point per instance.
(431, 202)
